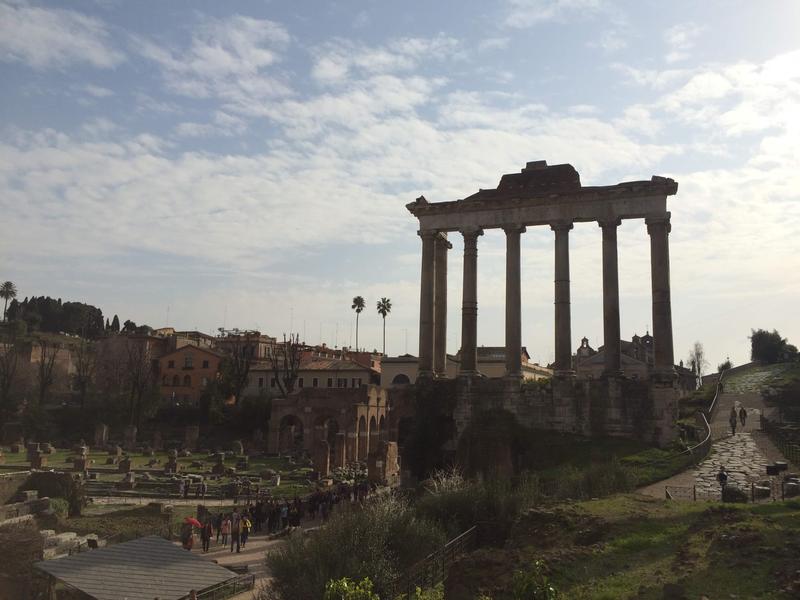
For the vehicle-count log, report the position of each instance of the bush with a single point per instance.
(533, 584)
(379, 542)
(345, 589)
(60, 507)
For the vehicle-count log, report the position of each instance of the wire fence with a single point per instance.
(776, 433)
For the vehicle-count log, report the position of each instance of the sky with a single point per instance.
(247, 164)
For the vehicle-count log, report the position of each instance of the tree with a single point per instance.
(8, 291)
(698, 362)
(115, 324)
(85, 364)
(235, 368)
(358, 306)
(769, 347)
(45, 376)
(725, 365)
(10, 351)
(128, 327)
(384, 308)
(285, 363)
(140, 379)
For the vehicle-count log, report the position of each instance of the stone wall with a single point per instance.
(10, 483)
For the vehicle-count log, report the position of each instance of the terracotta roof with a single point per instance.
(331, 364)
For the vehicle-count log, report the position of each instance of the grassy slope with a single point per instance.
(757, 377)
(630, 546)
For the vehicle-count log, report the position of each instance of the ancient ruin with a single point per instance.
(551, 196)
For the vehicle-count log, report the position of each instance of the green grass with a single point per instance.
(709, 549)
(755, 378)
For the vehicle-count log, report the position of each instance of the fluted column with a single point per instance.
(513, 302)
(440, 306)
(469, 302)
(659, 227)
(611, 332)
(426, 295)
(563, 317)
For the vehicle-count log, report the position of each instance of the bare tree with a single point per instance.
(141, 378)
(45, 375)
(85, 366)
(9, 360)
(241, 349)
(286, 362)
(698, 362)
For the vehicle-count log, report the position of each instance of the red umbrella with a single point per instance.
(193, 521)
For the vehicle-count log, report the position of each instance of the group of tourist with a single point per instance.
(185, 485)
(270, 515)
(742, 418)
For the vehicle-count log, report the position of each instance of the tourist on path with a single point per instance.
(218, 525)
(236, 530)
(733, 420)
(722, 477)
(226, 530)
(743, 416)
(205, 535)
(245, 528)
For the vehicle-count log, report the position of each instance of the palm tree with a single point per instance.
(358, 306)
(7, 291)
(384, 308)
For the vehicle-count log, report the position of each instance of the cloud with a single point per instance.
(53, 38)
(610, 41)
(680, 40)
(231, 59)
(341, 59)
(96, 91)
(493, 43)
(521, 14)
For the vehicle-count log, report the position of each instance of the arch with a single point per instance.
(382, 428)
(361, 438)
(187, 380)
(290, 434)
(401, 379)
(176, 380)
(373, 434)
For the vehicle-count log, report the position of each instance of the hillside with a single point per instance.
(630, 546)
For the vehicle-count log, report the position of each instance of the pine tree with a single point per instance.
(115, 324)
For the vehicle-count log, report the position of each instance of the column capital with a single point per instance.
(471, 232)
(609, 222)
(655, 221)
(514, 228)
(428, 234)
(441, 239)
(561, 225)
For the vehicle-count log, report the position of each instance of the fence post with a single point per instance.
(752, 492)
(694, 493)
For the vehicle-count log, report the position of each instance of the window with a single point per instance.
(171, 364)
(315, 382)
(330, 382)
(354, 382)
(260, 382)
(165, 380)
(300, 382)
(176, 380)
(341, 383)
(204, 382)
(272, 382)
(188, 361)
(187, 380)
(205, 364)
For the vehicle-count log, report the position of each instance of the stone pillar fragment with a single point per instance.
(659, 227)
(469, 302)
(611, 332)
(440, 306)
(563, 318)
(426, 298)
(513, 302)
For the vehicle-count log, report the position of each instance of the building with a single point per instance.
(252, 344)
(185, 373)
(491, 362)
(636, 358)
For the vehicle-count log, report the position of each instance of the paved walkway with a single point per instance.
(744, 455)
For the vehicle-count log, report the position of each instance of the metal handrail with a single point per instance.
(226, 589)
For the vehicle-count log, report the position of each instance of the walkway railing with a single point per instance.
(432, 569)
(227, 589)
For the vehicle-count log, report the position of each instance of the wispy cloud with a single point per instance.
(53, 38)
(526, 13)
(680, 40)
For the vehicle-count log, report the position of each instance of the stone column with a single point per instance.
(659, 227)
(426, 315)
(469, 302)
(440, 307)
(513, 302)
(563, 329)
(611, 332)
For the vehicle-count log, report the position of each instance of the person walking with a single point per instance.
(218, 525)
(205, 535)
(236, 530)
(733, 419)
(722, 477)
(226, 530)
(743, 416)
(247, 525)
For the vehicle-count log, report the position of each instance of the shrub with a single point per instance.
(346, 589)
(379, 542)
(533, 584)
(60, 507)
